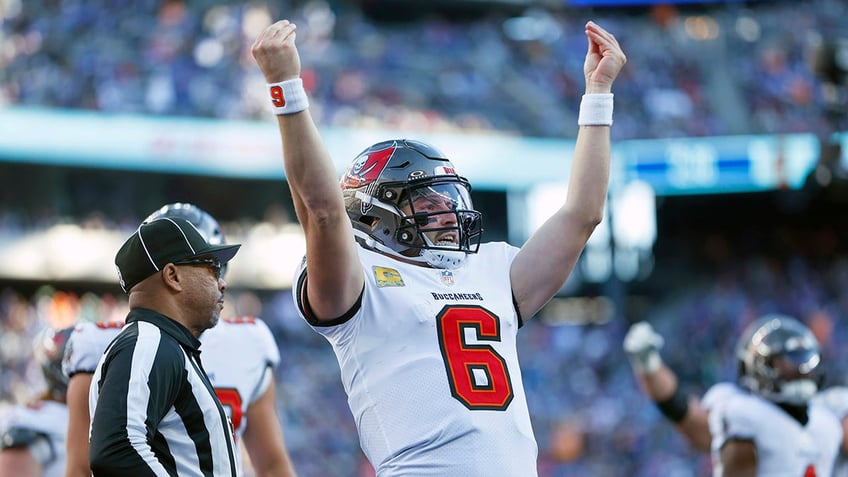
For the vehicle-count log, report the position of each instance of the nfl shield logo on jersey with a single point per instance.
(447, 277)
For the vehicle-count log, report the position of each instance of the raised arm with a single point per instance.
(659, 383)
(335, 277)
(546, 260)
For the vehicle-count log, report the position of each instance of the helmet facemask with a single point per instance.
(438, 219)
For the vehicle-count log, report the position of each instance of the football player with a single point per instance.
(422, 316)
(32, 437)
(765, 424)
(239, 356)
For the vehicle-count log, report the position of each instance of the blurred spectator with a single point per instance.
(733, 68)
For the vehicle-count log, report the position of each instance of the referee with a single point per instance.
(154, 412)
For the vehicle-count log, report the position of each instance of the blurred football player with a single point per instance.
(32, 437)
(765, 424)
(239, 356)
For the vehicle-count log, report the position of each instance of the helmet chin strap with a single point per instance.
(445, 259)
(449, 259)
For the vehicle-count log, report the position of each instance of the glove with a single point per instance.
(642, 345)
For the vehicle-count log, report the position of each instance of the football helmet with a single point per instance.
(49, 350)
(405, 198)
(202, 221)
(779, 359)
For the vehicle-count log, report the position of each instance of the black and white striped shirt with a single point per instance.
(154, 412)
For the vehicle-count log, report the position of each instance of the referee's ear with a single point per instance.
(172, 278)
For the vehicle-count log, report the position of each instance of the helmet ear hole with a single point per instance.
(405, 236)
(369, 220)
(389, 195)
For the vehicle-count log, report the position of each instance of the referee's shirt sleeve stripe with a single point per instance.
(150, 368)
(211, 449)
(113, 418)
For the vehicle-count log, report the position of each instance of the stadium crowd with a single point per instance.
(745, 67)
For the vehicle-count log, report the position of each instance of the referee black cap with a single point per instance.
(160, 242)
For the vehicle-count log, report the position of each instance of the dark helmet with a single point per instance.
(779, 359)
(205, 223)
(49, 350)
(202, 221)
(392, 175)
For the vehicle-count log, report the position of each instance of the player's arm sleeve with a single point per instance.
(304, 309)
(719, 394)
(836, 399)
(135, 392)
(731, 421)
(271, 355)
(85, 346)
(269, 345)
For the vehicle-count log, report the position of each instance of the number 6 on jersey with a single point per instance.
(478, 375)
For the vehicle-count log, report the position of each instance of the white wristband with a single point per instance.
(595, 110)
(288, 97)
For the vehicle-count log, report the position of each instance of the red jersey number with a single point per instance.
(231, 398)
(477, 374)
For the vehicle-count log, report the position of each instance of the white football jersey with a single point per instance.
(430, 367)
(835, 398)
(785, 448)
(238, 355)
(49, 418)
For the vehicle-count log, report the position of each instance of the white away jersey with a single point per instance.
(785, 448)
(835, 398)
(238, 355)
(46, 417)
(430, 367)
